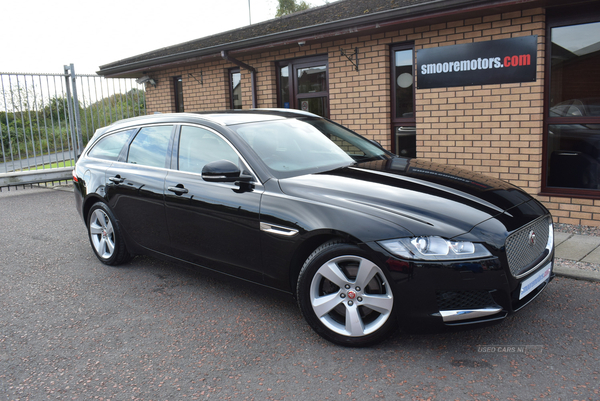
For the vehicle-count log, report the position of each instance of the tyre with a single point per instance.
(345, 297)
(105, 236)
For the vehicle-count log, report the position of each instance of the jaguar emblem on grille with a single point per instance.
(531, 238)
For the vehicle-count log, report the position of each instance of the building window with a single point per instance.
(404, 140)
(572, 152)
(235, 88)
(303, 84)
(284, 87)
(178, 89)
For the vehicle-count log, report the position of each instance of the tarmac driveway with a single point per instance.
(72, 328)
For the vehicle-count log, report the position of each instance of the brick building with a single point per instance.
(510, 89)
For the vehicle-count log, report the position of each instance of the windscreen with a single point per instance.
(293, 147)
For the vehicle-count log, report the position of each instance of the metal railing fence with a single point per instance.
(47, 119)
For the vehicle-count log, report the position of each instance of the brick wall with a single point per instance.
(573, 210)
(359, 100)
(492, 129)
(496, 130)
(205, 87)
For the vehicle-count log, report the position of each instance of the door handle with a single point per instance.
(179, 190)
(117, 179)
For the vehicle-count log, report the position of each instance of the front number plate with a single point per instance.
(534, 281)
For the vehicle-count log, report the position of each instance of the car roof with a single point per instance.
(223, 118)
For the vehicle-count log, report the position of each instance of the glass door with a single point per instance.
(303, 85)
(311, 88)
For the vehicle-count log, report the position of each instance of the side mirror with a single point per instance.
(221, 171)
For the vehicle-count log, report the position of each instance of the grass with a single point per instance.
(68, 163)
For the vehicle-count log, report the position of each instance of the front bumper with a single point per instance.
(463, 293)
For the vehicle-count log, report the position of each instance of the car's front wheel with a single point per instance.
(105, 236)
(345, 296)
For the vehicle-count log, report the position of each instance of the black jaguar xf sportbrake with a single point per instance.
(365, 240)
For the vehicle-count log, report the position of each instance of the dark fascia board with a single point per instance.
(353, 24)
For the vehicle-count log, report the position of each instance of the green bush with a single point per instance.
(46, 129)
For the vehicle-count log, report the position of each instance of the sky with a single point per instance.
(41, 36)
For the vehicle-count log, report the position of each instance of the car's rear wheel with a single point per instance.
(345, 296)
(105, 236)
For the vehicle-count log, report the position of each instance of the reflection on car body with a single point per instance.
(364, 240)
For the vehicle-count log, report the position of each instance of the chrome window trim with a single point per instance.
(91, 144)
(178, 127)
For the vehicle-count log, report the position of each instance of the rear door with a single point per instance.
(134, 187)
(214, 225)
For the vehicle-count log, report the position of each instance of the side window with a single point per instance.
(109, 147)
(150, 145)
(198, 146)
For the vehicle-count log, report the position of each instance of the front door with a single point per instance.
(214, 225)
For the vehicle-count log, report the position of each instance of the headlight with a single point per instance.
(434, 248)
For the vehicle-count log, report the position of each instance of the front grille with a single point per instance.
(522, 251)
(456, 300)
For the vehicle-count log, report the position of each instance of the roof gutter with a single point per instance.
(408, 14)
(245, 66)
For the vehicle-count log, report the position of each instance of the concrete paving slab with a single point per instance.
(559, 238)
(577, 247)
(594, 256)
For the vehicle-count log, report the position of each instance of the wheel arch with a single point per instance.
(87, 205)
(308, 246)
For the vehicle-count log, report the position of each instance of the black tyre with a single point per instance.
(105, 236)
(345, 297)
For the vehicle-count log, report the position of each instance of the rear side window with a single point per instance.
(109, 147)
(150, 145)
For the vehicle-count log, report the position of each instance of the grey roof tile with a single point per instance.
(337, 11)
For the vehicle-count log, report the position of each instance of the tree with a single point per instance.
(286, 7)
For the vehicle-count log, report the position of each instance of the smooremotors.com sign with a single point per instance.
(480, 63)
